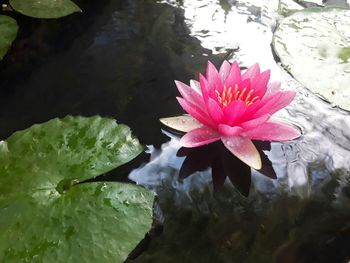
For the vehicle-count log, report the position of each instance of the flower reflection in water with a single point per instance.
(223, 164)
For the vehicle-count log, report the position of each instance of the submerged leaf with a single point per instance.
(314, 46)
(8, 33)
(45, 8)
(47, 216)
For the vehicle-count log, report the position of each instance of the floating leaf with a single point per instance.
(8, 33)
(182, 123)
(45, 8)
(47, 216)
(314, 45)
(286, 7)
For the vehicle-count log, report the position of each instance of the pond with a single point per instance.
(120, 58)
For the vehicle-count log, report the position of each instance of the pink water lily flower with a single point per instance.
(235, 107)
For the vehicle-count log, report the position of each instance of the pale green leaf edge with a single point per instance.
(9, 30)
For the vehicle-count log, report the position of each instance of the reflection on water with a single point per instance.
(233, 24)
(325, 143)
(223, 165)
(120, 58)
(299, 172)
(303, 216)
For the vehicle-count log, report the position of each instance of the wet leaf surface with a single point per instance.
(119, 58)
(313, 46)
(47, 215)
(8, 33)
(45, 8)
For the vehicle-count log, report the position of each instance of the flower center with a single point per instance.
(227, 95)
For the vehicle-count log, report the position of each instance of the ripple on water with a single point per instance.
(300, 165)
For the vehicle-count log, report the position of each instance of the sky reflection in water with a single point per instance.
(120, 61)
(303, 215)
(322, 154)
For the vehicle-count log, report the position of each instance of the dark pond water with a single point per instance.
(119, 59)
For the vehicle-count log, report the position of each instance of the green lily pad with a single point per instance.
(314, 46)
(8, 33)
(46, 215)
(45, 8)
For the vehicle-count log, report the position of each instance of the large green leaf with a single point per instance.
(8, 33)
(46, 216)
(314, 45)
(45, 8)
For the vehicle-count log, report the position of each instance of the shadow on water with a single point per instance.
(223, 164)
(279, 222)
(119, 59)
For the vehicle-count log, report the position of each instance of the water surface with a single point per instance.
(119, 59)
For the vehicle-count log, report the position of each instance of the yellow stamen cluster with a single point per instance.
(227, 95)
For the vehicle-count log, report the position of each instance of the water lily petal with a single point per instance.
(250, 111)
(224, 70)
(182, 123)
(273, 131)
(251, 124)
(204, 87)
(275, 102)
(244, 150)
(259, 84)
(251, 72)
(213, 79)
(234, 111)
(234, 76)
(195, 85)
(273, 87)
(198, 137)
(190, 94)
(245, 83)
(226, 130)
(195, 112)
(215, 111)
